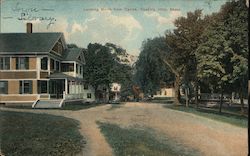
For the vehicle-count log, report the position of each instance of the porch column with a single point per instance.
(70, 87)
(48, 63)
(66, 86)
(74, 69)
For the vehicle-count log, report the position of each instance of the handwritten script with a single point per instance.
(32, 14)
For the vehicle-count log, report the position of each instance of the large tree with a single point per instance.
(104, 67)
(151, 72)
(222, 57)
(122, 70)
(183, 41)
(99, 64)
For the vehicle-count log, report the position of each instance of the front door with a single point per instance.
(56, 88)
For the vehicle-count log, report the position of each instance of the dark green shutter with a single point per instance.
(30, 87)
(26, 62)
(17, 67)
(20, 87)
(6, 87)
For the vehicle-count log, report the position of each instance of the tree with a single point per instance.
(151, 71)
(103, 67)
(222, 57)
(99, 64)
(122, 70)
(183, 41)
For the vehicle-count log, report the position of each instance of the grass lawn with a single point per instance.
(141, 142)
(233, 119)
(74, 106)
(80, 106)
(39, 134)
(115, 106)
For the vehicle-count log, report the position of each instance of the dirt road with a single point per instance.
(205, 135)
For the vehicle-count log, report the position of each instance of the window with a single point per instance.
(3, 87)
(86, 86)
(77, 67)
(44, 63)
(22, 63)
(42, 87)
(52, 64)
(4, 63)
(71, 67)
(80, 69)
(67, 67)
(89, 95)
(57, 66)
(25, 87)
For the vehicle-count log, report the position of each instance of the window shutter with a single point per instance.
(20, 87)
(27, 63)
(17, 67)
(1, 62)
(6, 87)
(30, 87)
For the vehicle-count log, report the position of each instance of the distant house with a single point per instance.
(115, 92)
(39, 69)
(165, 92)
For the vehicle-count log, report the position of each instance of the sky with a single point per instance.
(126, 23)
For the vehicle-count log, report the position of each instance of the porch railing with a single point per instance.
(73, 96)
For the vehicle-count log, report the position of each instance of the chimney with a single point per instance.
(29, 27)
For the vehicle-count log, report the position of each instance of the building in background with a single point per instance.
(39, 69)
(115, 92)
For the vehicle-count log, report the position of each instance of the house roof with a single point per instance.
(28, 42)
(73, 54)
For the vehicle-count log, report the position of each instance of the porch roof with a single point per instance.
(63, 76)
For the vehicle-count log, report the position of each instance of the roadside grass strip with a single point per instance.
(233, 119)
(39, 134)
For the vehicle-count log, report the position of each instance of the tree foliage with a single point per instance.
(151, 72)
(183, 41)
(223, 55)
(103, 67)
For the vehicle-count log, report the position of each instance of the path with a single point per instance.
(208, 136)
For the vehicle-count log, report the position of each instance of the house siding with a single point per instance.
(13, 87)
(20, 98)
(44, 75)
(13, 63)
(34, 85)
(18, 75)
(32, 63)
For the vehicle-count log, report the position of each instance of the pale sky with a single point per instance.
(123, 22)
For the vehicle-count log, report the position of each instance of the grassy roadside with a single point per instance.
(233, 119)
(141, 142)
(72, 106)
(38, 134)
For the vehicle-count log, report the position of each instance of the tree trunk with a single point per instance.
(177, 90)
(107, 100)
(221, 98)
(186, 97)
(241, 101)
(196, 93)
